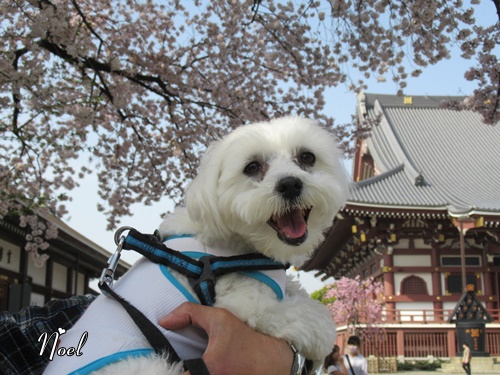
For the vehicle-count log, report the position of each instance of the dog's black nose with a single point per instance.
(289, 187)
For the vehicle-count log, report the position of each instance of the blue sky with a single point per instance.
(445, 78)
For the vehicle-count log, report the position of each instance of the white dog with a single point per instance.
(270, 188)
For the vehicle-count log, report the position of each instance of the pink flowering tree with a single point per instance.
(357, 305)
(134, 90)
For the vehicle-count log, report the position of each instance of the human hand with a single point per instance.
(233, 347)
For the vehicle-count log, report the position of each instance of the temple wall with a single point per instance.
(412, 260)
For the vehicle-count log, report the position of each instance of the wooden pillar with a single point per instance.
(77, 269)
(436, 284)
(400, 343)
(25, 295)
(488, 282)
(452, 350)
(463, 225)
(389, 286)
(488, 288)
(48, 279)
(69, 280)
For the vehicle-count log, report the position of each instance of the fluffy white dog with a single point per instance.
(270, 188)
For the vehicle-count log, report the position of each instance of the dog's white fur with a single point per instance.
(227, 208)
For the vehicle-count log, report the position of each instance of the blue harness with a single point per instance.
(202, 273)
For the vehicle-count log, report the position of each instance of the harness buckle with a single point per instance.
(108, 273)
(204, 285)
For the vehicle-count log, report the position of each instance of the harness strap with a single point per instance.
(196, 366)
(201, 273)
(155, 337)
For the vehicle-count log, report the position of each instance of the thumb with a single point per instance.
(188, 314)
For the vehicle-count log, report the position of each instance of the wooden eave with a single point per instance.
(66, 248)
(340, 233)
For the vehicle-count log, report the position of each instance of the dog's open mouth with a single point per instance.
(292, 226)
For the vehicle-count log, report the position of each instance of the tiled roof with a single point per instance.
(429, 157)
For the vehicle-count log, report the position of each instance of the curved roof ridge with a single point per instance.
(411, 170)
(380, 177)
(417, 101)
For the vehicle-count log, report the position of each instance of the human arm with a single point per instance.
(338, 369)
(364, 367)
(342, 366)
(331, 370)
(233, 347)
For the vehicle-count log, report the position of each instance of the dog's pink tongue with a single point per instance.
(292, 224)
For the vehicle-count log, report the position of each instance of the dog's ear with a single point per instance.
(201, 194)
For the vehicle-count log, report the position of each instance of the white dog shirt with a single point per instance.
(156, 292)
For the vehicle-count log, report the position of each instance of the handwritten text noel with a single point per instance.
(61, 351)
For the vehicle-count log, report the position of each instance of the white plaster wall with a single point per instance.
(37, 273)
(419, 244)
(15, 256)
(448, 308)
(412, 311)
(81, 283)
(59, 277)
(399, 276)
(402, 244)
(449, 305)
(37, 299)
(412, 260)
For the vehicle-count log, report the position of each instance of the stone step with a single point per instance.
(478, 365)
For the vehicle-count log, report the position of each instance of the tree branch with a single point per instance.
(497, 6)
(16, 98)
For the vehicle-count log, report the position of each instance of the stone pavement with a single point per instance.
(439, 372)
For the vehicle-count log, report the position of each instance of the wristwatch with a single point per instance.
(298, 361)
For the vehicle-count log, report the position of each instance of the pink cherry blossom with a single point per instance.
(358, 306)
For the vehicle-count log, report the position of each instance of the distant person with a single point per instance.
(334, 365)
(466, 359)
(354, 362)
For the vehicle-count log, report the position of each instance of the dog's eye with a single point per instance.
(307, 158)
(252, 168)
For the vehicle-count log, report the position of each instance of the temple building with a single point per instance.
(425, 200)
(74, 261)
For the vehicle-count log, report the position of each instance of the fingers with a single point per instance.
(193, 314)
(232, 345)
(179, 318)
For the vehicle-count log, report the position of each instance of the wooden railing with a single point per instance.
(427, 316)
(419, 345)
(420, 316)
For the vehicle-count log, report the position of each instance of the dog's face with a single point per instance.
(276, 185)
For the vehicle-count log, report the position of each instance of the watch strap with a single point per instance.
(298, 361)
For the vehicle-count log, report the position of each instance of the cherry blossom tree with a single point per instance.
(134, 90)
(319, 295)
(357, 305)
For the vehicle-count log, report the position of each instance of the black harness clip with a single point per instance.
(204, 285)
